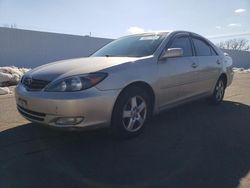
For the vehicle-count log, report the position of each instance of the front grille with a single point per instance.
(32, 115)
(34, 84)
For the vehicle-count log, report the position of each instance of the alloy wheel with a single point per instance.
(219, 90)
(134, 113)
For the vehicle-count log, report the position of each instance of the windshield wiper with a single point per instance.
(109, 55)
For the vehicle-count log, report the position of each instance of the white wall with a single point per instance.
(241, 59)
(24, 48)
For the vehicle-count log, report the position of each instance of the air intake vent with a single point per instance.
(34, 84)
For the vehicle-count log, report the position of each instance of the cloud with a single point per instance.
(240, 10)
(234, 25)
(218, 27)
(135, 29)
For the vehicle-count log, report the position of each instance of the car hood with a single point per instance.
(70, 67)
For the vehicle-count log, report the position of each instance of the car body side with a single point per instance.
(131, 73)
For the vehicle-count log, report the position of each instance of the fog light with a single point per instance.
(69, 120)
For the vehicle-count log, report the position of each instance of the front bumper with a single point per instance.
(230, 75)
(93, 105)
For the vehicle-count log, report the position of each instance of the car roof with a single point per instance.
(167, 32)
(150, 32)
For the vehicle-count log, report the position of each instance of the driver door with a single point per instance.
(177, 75)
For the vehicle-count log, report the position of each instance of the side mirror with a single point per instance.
(172, 52)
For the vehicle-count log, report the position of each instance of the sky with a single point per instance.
(114, 18)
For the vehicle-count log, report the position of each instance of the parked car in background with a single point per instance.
(125, 82)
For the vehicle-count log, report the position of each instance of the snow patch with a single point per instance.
(10, 76)
(241, 70)
(4, 90)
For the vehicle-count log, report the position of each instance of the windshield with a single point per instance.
(132, 46)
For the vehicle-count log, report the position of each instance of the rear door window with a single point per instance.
(213, 53)
(201, 48)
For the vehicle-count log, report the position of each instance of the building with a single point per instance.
(24, 48)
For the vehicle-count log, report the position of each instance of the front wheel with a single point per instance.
(131, 112)
(219, 92)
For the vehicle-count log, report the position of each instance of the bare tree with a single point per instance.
(235, 44)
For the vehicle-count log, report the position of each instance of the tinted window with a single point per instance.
(184, 43)
(202, 49)
(132, 46)
(213, 51)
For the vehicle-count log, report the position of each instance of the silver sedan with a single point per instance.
(124, 83)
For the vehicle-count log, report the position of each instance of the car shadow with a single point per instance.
(195, 145)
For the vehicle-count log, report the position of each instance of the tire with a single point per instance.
(218, 93)
(131, 112)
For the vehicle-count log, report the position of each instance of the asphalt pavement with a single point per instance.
(196, 145)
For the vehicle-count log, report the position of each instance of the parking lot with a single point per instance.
(195, 145)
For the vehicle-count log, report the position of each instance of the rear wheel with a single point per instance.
(219, 92)
(131, 112)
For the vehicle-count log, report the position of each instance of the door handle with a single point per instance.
(194, 65)
(218, 62)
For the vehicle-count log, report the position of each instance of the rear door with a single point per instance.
(209, 64)
(177, 76)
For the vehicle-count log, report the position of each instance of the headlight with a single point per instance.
(76, 83)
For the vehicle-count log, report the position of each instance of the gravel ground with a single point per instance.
(195, 145)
